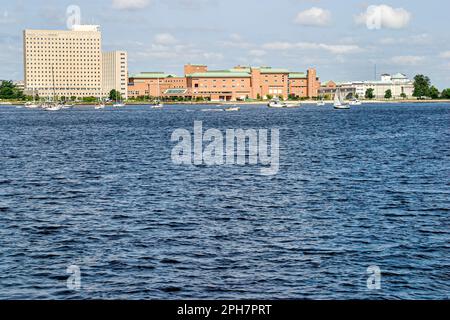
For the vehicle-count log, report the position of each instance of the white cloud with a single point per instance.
(332, 48)
(419, 39)
(165, 39)
(445, 55)
(130, 4)
(407, 60)
(257, 53)
(384, 16)
(316, 17)
(235, 41)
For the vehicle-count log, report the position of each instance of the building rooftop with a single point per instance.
(273, 70)
(297, 75)
(219, 74)
(152, 75)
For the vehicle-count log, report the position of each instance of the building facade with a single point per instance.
(399, 84)
(155, 84)
(238, 83)
(115, 73)
(63, 63)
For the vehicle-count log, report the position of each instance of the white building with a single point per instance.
(70, 63)
(63, 63)
(115, 73)
(398, 83)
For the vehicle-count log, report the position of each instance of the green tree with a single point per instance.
(388, 94)
(370, 93)
(258, 96)
(403, 95)
(445, 94)
(421, 86)
(114, 95)
(8, 90)
(434, 93)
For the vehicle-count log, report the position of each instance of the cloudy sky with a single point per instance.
(342, 39)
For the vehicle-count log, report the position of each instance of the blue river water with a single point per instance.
(98, 190)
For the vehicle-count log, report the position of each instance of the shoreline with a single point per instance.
(240, 103)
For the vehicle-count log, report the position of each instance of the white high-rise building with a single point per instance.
(64, 63)
(115, 73)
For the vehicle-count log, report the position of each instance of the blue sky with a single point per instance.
(342, 39)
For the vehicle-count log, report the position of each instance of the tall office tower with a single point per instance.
(64, 63)
(115, 73)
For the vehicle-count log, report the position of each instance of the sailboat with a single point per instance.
(100, 105)
(339, 102)
(119, 103)
(157, 103)
(32, 105)
(53, 106)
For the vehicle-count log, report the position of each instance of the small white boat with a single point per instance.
(31, 105)
(339, 102)
(99, 106)
(52, 107)
(119, 105)
(277, 104)
(68, 106)
(355, 102)
(231, 109)
(321, 103)
(213, 110)
(157, 105)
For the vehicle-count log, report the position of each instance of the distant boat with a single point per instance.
(355, 102)
(321, 103)
(233, 109)
(32, 105)
(52, 107)
(157, 103)
(339, 102)
(119, 103)
(275, 103)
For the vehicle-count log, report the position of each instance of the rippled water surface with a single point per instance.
(98, 189)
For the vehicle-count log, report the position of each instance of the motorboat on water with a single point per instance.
(157, 105)
(355, 102)
(275, 103)
(31, 105)
(339, 101)
(321, 103)
(52, 107)
(119, 105)
(234, 108)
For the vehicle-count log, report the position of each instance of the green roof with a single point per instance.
(248, 70)
(152, 75)
(297, 75)
(273, 70)
(219, 74)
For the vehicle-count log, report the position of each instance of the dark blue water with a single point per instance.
(98, 189)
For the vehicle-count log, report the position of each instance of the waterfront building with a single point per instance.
(63, 63)
(236, 84)
(115, 73)
(399, 84)
(156, 84)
